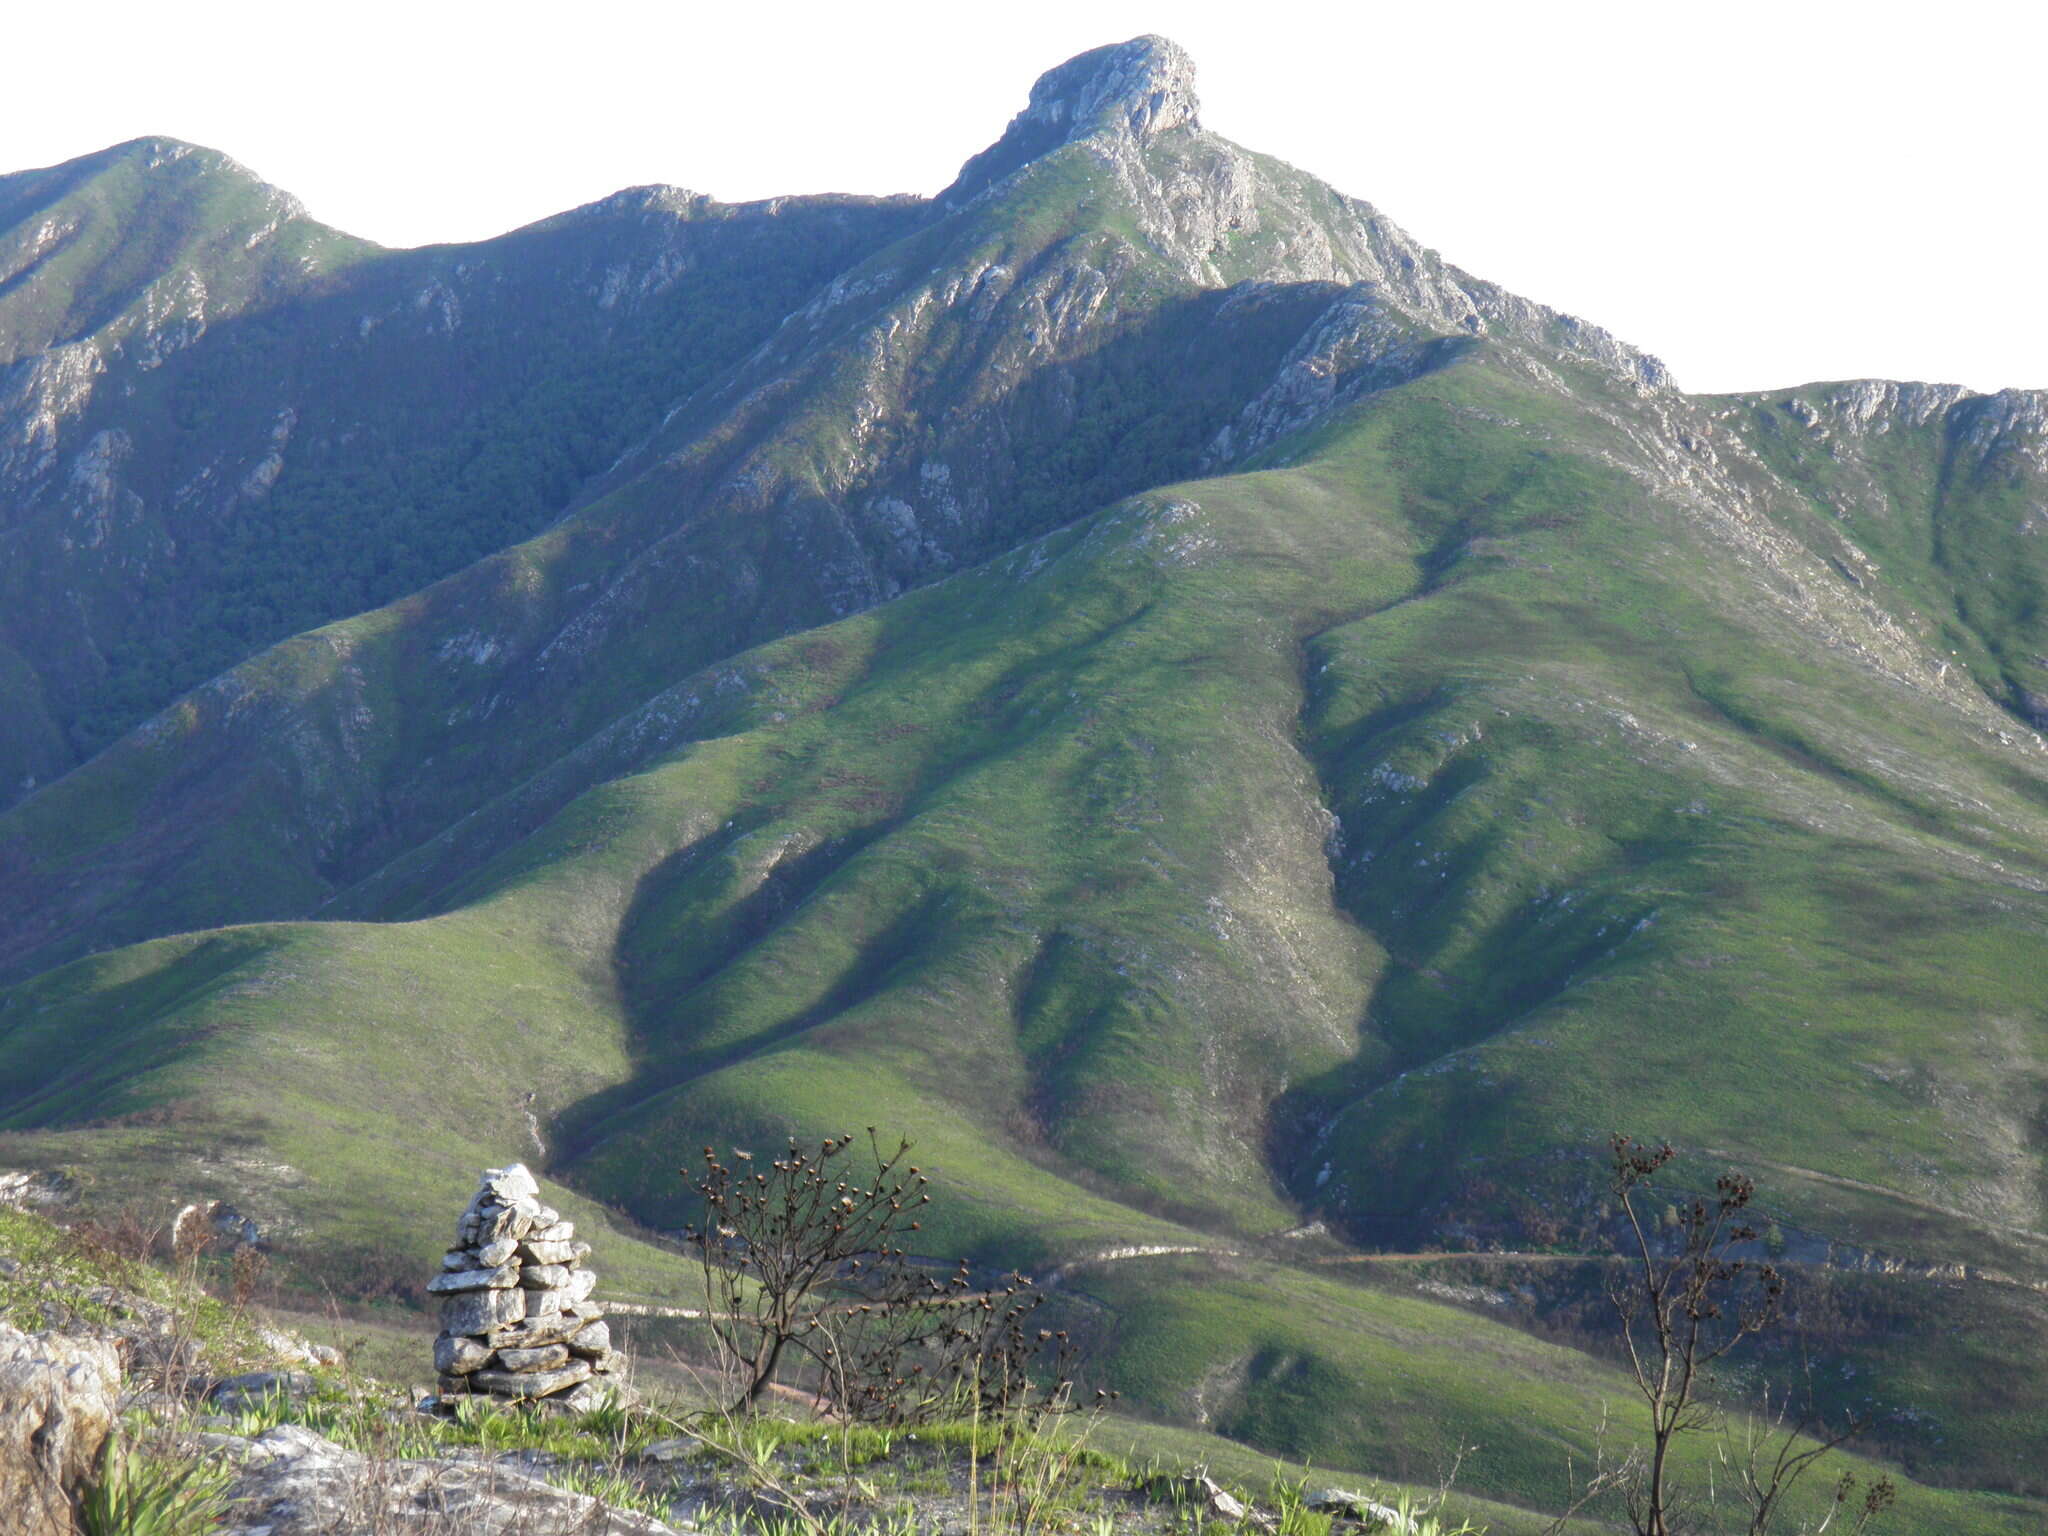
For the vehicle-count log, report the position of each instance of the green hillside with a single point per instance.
(1210, 720)
(228, 424)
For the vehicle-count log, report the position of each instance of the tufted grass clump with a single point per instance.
(148, 1491)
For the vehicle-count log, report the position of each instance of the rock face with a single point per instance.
(1140, 88)
(517, 1320)
(58, 1397)
(294, 1483)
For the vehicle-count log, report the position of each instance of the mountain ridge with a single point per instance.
(1208, 716)
(1359, 328)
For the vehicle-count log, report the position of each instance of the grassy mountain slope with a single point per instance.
(1127, 308)
(1931, 495)
(1399, 739)
(126, 252)
(223, 423)
(1038, 862)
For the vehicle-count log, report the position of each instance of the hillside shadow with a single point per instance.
(656, 999)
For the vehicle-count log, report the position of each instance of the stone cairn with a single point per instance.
(517, 1320)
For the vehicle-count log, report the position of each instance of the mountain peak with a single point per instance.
(1146, 86)
(1138, 88)
(155, 151)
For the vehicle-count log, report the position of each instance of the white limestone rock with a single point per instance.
(58, 1399)
(549, 1357)
(557, 1327)
(291, 1482)
(458, 1356)
(530, 1383)
(477, 1312)
(593, 1341)
(536, 1252)
(504, 1276)
(509, 1184)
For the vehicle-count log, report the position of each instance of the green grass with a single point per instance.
(1033, 866)
(1362, 836)
(139, 1492)
(80, 1278)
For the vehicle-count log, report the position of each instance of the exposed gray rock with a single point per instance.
(58, 1399)
(292, 1482)
(517, 1299)
(1356, 1506)
(535, 1251)
(546, 1303)
(509, 1184)
(1138, 89)
(456, 1355)
(240, 1394)
(530, 1383)
(476, 1280)
(556, 1328)
(593, 1341)
(478, 1312)
(26, 1188)
(489, 1224)
(1199, 1487)
(588, 1395)
(546, 1358)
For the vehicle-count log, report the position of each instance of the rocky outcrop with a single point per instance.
(58, 1398)
(1139, 88)
(292, 1482)
(517, 1319)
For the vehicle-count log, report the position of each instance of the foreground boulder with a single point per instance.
(58, 1398)
(292, 1482)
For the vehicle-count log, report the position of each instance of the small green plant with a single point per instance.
(1426, 1520)
(490, 1426)
(140, 1492)
(616, 1429)
(609, 1485)
(265, 1413)
(1295, 1517)
(1036, 1455)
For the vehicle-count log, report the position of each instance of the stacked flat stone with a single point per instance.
(517, 1319)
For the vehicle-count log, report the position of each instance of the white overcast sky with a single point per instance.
(1760, 193)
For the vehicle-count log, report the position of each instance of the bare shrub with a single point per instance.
(804, 1263)
(1688, 1294)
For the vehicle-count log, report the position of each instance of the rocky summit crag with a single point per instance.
(1255, 747)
